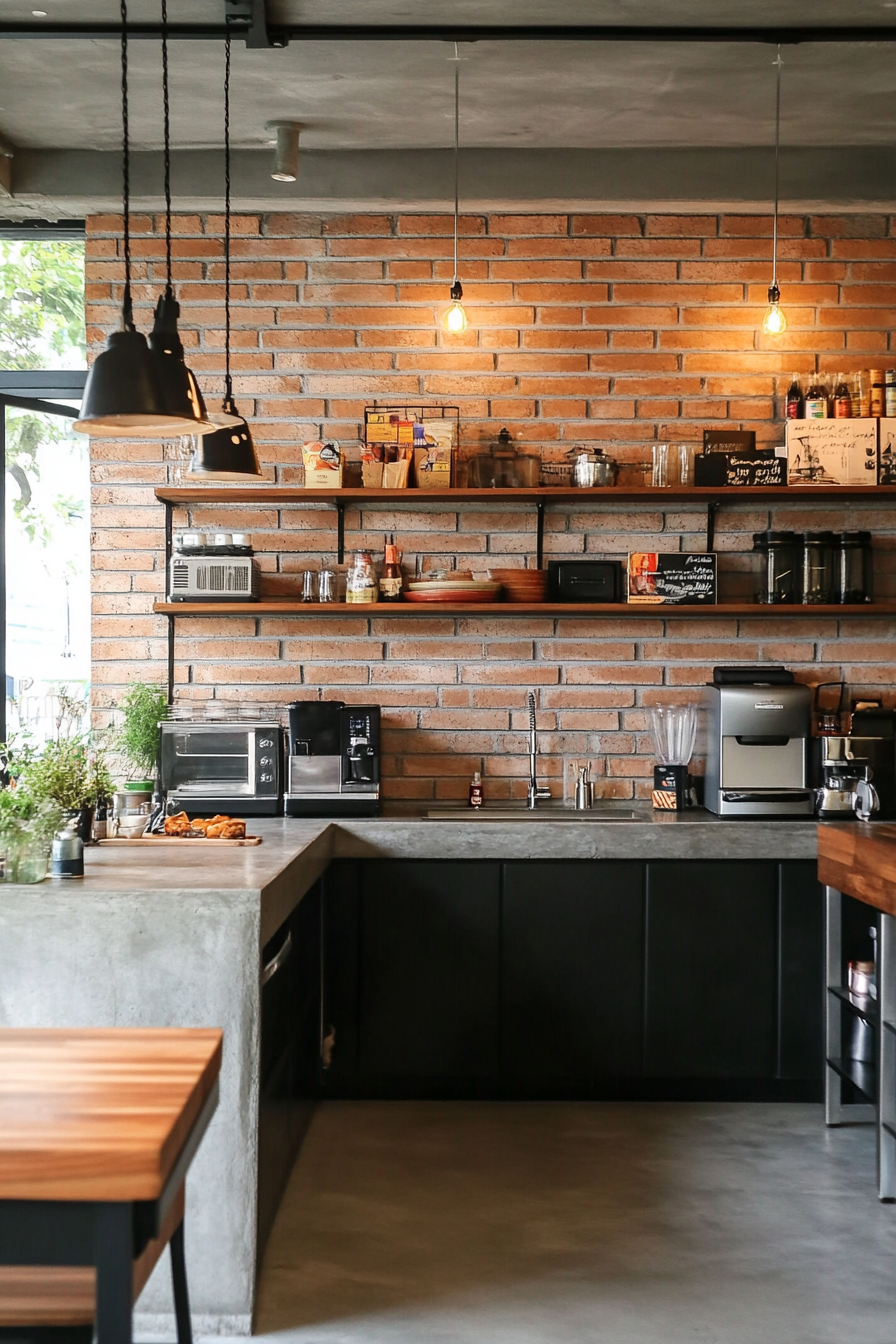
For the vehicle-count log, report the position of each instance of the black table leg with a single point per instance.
(179, 1283)
(114, 1257)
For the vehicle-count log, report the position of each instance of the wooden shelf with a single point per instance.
(642, 494)
(415, 610)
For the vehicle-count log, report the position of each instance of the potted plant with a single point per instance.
(71, 775)
(144, 707)
(27, 820)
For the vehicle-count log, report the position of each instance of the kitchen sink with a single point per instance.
(539, 814)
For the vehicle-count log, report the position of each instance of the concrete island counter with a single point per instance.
(667, 956)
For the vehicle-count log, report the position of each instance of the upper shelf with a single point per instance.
(284, 494)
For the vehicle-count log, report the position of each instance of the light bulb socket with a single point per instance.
(457, 291)
(286, 152)
(774, 293)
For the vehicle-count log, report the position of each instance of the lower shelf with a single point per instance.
(869, 1012)
(597, 610)
(862, 1076)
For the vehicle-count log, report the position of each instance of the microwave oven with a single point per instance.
(230, 767)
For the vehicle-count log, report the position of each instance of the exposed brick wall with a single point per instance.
(619, 328)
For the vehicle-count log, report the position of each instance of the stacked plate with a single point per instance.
(452, 590)
(522, 585)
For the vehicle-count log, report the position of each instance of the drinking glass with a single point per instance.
(309, 586)
(685, 473)
(327, 590)
(660, 474)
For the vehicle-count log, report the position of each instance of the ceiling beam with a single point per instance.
(280, 34)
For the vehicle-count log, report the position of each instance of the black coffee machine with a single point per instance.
(333, 768)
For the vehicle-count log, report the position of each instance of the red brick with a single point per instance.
(682, 226)
(610, 226)
(527, 224)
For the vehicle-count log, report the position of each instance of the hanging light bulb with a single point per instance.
(124, 394)
(286, 152)
(773, 321)
(454, 319)
(227, 454)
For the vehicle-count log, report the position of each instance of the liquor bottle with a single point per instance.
(827, 389)
(842, 399)
(794, 403)
(816, 401)
(859, 394)
(390, 580)
(890, 392)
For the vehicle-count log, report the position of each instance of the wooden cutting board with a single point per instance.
(144, 840)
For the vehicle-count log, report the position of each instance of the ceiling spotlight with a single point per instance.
(286, 152)
(39, 13)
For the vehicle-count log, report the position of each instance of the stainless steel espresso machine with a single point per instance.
(333, 768)
(856, 763)
(758, 732)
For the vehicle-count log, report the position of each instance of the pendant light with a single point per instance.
(774, 322)
(455, 317)
(228, 454)
(180, 389)
(123, 394)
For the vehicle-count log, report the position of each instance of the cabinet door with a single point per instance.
(428, 977)
(711, 970)
(572, 958)
(800, 972)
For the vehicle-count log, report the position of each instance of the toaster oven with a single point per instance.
(213, 579)
(221, 767)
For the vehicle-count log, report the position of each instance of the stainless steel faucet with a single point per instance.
(536, 791)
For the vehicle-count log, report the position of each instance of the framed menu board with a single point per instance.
(672, 578)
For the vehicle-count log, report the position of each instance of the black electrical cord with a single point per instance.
(127, 310)
(169, 292)
(228, 384)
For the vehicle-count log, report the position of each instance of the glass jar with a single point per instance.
(853, 567)
(361, 581)
(780, 552)
(818, 568)
(24, 857)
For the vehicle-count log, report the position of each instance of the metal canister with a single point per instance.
(67, 856)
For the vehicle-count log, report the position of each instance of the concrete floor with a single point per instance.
(442, 1223)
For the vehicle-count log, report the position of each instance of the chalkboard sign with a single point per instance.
(671, 578)
(729, 440)
(762, 467)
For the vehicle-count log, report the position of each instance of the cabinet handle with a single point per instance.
(268, 972)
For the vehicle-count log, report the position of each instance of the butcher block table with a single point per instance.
(97, 1131)
(860, 861)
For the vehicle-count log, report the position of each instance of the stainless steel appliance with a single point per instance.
(757, 761)
(858, 778)
(207, 579)
(230, 766)
(333, 767)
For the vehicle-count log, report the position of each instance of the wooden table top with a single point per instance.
(99, 1114)
(860, 860)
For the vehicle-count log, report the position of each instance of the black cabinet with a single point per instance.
(428, 980)
(290, 1050)
(572, 958)
(711, 959)
(593, 978)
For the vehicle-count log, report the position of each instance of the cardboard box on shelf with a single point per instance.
(832, 452)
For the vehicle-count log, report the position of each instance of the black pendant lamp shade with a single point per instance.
(132, 390)
(180, 390)
(229, 453)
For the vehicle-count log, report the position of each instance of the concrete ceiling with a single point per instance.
(62, 95)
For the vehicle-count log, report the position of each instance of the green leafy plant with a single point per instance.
(144, 707)
(67, 773)
(26, 817)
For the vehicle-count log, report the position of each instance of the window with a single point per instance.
(45, 563)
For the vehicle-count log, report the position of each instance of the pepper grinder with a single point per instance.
(584, 790)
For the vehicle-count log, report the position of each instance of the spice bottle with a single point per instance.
(890, 392)
(476, 790)
(390, 579)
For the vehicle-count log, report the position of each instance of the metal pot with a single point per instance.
(592, 467)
